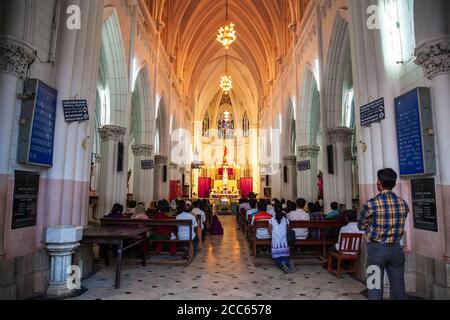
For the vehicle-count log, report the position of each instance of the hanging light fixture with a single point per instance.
(227, 34)
(226, 83)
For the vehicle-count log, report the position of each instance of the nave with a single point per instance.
(223, 270)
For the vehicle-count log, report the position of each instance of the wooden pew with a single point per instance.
(324, 242)
(155, 223)
(324, 226)
(259, 242)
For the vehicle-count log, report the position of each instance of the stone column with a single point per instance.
(307, 179)
(341, 181)
(161, 188)
(433, 54)
(15, 57)
(61, 245)
(290, 188)
(143, 179)
(112, 187)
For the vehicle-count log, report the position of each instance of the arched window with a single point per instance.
(246, 126)
(226, 125)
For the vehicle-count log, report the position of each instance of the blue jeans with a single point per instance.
(279, 262)
(392, 260)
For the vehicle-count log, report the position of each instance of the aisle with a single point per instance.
(222, 270)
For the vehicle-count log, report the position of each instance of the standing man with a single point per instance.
(383, 218)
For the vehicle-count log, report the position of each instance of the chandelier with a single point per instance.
(226, 34)
(226, 83)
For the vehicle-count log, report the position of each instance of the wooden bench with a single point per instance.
(263, 224)
(324, 227)
(157, 223)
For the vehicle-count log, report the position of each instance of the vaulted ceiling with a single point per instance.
(188, 33)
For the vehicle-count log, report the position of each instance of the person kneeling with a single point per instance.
(278, 227)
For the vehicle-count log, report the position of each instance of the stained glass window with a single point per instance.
(205, 126)
(226, 126)
(246, 126)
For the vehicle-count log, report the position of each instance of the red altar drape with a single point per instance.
(230, 172)
(246, 187)
(204, 187)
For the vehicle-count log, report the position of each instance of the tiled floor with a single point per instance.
(222, 270)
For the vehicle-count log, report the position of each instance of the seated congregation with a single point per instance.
(287, 230)
(176, 229)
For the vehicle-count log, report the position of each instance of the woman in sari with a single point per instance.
(216, 227)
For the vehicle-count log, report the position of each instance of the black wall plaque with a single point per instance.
(25, 200)
(424, 204)
(285, 174)
(330, 157)
(120, 157)
(75, 110)
(164, 173)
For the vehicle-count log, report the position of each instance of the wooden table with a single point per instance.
(117, 236)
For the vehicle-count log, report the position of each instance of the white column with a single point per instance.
(112, 189)
(15, 57)
(307, 179)
(433, 54)
(289, 188)
(161, 188)
(142, 178)
(340, 138)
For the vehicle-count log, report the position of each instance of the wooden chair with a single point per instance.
(350, 246)
(254, 243)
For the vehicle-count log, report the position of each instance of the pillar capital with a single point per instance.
(434, 56)
(311, 151)
(340, 135)
(290, 160)
(142, 150)
(161, 160)
(15, 56)
(111, 133)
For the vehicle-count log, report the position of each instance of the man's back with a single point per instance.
(183, 231)
(386, 216)
(300, 215)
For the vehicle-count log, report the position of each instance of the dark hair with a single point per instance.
(196, 204)
(117, 209)
(312, 208)
(283, 201)
(253, 203)
(334, 206)
(262, 206)
(388, 178)
(301, 203)
(351, 215)
(131, 204)
(180, 207)
(291, 206)
(279, 214)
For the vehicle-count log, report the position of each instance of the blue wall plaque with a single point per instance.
(415, 146)
(38, 120)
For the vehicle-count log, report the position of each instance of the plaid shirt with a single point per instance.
(384, 218)
(316, 234)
